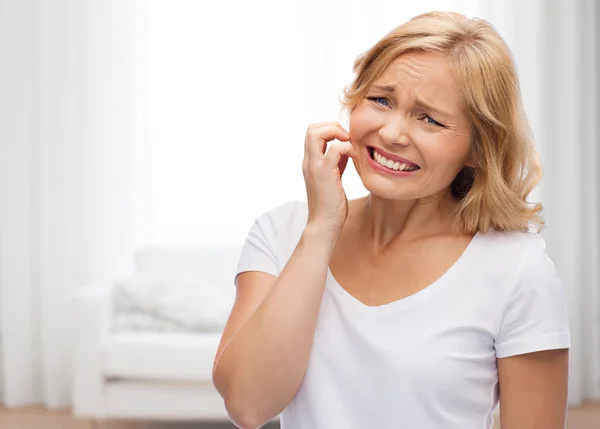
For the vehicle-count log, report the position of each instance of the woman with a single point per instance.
(424, 303)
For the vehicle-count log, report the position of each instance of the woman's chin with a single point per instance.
(388, 191)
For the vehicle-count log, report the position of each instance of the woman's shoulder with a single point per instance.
(289, 213)
(515, 248)
(513, 238)
(281, 227)
(515, 265)
(285, 222)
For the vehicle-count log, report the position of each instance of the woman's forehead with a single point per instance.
(423, 75)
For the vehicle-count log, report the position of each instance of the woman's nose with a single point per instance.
(395, 132)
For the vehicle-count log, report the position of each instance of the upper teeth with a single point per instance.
(391, 164)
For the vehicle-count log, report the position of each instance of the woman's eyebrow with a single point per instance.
(429, 108)
(385, 88)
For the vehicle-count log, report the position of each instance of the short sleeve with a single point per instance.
(535, 315)
(259, 252)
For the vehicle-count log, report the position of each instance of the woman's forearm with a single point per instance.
(262, 366)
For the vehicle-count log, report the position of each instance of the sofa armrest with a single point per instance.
(93, 316)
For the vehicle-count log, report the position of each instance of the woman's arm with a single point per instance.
(533, 390)
(266, 345)
(267, 341)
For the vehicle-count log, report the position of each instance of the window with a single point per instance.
(232, 87)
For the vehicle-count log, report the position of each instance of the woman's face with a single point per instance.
(414, 120)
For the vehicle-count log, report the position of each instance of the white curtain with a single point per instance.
(556, 45)
(233, 86)
(69, 177)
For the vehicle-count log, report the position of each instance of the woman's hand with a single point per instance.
(327, 202)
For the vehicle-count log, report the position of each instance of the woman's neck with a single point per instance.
(382, 222)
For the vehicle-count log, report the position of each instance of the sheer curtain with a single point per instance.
(230, 91)
(232, 87)
(68, 177)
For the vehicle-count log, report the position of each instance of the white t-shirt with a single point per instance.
(426, 361)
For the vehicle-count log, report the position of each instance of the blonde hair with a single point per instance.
(493, 193)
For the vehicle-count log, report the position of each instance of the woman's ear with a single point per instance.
(470, 161)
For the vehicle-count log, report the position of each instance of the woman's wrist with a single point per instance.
(327, 235)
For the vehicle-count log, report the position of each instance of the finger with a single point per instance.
(314, 130)
(317, 141)
(329, 124)
(335, 152)
(343, 163)
(353, 152)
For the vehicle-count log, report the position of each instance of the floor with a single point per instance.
(39, 418)
(587, 417)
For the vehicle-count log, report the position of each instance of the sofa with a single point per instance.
(149, 375)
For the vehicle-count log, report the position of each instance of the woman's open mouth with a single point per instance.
(391, 165)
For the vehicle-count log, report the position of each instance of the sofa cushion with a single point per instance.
(172, 401)
(161, 302)
(160, 356)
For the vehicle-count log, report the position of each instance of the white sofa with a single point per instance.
(149, 376)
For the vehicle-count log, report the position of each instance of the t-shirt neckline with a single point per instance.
(409, 300)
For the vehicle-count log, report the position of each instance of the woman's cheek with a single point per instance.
(367, 122)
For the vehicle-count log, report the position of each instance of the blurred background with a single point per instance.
(170, 124)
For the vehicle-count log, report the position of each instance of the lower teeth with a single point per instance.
(389, 168)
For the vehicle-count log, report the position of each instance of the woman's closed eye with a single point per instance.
(429, 120)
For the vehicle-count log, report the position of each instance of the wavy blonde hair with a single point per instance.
(493, 193)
